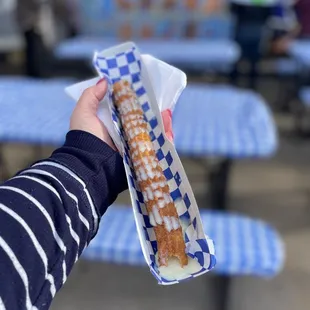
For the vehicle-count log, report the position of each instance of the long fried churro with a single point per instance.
(151, 179)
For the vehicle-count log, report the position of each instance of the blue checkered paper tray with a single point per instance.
(124, 62)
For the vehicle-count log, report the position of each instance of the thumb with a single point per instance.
(91, 97)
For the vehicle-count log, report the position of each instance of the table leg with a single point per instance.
(218, 178)
(221, 291)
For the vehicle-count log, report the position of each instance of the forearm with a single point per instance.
(48, 215)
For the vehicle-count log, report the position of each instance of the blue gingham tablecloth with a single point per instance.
(34, 111)
(300, 50)
(182, 52)
(208, 120)
(243, 246)
(223, 121)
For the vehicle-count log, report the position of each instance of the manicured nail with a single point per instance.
(100, 81)
(101, 88)
(170, 136)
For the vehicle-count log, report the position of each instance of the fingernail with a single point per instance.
(100, 81)
(101, 88)
(170, 136)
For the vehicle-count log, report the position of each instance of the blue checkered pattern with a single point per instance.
(232, 123)
(196, 53)
(223, 121)
(300, 50)
(127, 65)
(34, 111)
(243, 246)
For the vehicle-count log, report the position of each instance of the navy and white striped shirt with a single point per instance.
(48, 215)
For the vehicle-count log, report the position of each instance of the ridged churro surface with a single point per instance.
(151, 179)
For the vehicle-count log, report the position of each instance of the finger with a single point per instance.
(92, 96)
(170, 136)
(167, 120)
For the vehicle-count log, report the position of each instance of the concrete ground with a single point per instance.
(276, 190)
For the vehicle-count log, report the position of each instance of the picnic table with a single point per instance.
(222, 124)
(243, 246)
(199, 53)
(227, 230)
(208, 120)
(219, 122)
(223, 121)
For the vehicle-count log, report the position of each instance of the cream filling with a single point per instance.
(174, 271)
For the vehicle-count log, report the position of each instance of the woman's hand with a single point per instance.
(84, 116)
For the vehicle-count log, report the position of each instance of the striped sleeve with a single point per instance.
(48, 215)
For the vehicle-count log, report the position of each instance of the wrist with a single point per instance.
(88, 142)
(96, 163)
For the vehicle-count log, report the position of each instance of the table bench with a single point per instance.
(243, 246)
(203, 54)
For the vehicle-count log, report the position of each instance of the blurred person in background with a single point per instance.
(302, 8)
(251, 17)
(39, 23)
(284, 27)
(292, 21)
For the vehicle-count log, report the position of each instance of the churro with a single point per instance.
(153, 185)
